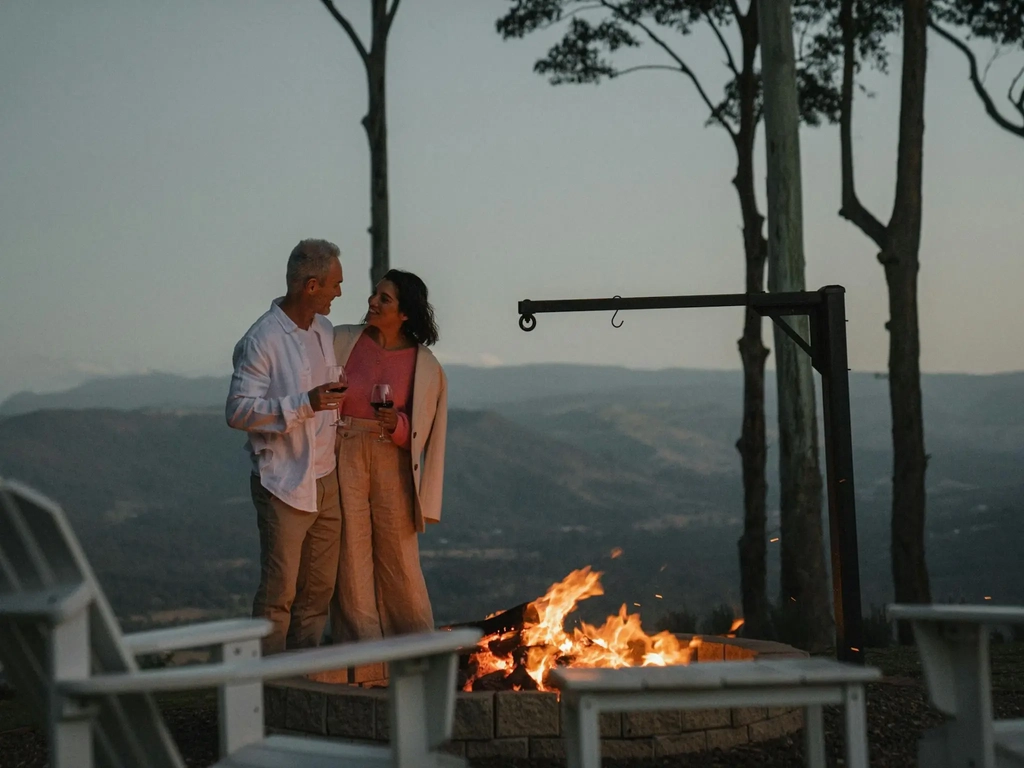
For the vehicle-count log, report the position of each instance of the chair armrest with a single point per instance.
(196, 635)
(989, 615)
(55, 605)
(290, 664)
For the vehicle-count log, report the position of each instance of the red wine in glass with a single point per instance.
(381, 397)
(337, 381)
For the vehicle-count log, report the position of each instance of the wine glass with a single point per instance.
(338, 380)
(381, 397)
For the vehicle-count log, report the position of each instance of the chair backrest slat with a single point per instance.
(40, 550)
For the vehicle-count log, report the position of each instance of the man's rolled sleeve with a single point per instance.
(248, 408)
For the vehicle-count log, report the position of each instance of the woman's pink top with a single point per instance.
(371, 364)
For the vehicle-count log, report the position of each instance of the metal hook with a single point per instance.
(616, 315)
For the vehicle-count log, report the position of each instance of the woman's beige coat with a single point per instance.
(428, 427)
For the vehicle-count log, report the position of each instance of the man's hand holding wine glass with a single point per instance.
(325, 397)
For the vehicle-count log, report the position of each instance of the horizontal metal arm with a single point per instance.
(770, 304)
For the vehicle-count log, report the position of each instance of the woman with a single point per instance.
(390, 489)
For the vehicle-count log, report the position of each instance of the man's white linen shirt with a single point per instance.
(268, 398)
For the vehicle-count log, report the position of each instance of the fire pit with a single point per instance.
(505, 709)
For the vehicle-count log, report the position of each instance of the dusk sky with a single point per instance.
(160, 161)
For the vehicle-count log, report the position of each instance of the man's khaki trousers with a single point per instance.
(298, 565)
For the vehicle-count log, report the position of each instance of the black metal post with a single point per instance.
(828, 338)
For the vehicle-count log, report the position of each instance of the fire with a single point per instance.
(619, 642)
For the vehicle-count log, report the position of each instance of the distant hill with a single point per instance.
(549, 479)
(150, 390)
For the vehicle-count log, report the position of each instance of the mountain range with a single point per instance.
(549, 468)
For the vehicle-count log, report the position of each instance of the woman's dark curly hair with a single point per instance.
(412, 302)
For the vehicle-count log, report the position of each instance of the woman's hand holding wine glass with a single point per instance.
(383, 403)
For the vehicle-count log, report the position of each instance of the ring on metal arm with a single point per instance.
(527, 322)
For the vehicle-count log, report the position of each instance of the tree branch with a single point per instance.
(621, 72)
(728, 52)
(852, 209)
(391, 14)
(979, 87)
(736, 9)
(715, 111)
(570, 14)
(360, 48)
(1018, 104)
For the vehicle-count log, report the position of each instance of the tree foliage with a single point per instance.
(594, 32)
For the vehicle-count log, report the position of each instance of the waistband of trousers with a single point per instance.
(361, 425)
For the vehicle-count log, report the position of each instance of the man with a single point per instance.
(279, 395)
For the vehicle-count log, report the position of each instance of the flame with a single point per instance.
(619, 642)
(736, 624)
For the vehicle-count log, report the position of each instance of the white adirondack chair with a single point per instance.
(807, 683)
(62, 649)
(953, 641)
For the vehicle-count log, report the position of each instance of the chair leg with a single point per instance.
(240, 706)
(856, 727)
(581, 734)
(71, 737)
(814, 737)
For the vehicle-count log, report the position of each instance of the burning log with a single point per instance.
(522, 644)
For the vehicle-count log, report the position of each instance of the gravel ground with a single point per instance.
(897, 715)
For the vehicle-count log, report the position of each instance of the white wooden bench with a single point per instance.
(62, 649)
(953, 641)
(808, 683)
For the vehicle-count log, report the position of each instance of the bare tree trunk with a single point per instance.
(900, 258)
(804, 596)
(752, 443)
(899, 242)
(375, 124)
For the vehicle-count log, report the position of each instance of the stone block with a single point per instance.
(457, 748)
(703, 719)
(779, 711)
(474, 716)
(610, 724)
(275, 705)
(747, 715)
(547, 749)
(680, 745)
(515, 747)
(726, 738)
(307, 711)
(737, 652)
(637, 724)
(366, 673)
(627, 749)
(351, 712)
(525, 713)
(381, 714)
(777, 727)
(709, 650)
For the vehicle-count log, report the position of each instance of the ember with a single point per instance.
(519, 657)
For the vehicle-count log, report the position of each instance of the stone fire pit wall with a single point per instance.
(527, 723)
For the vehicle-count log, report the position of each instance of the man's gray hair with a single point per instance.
(310, 259)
